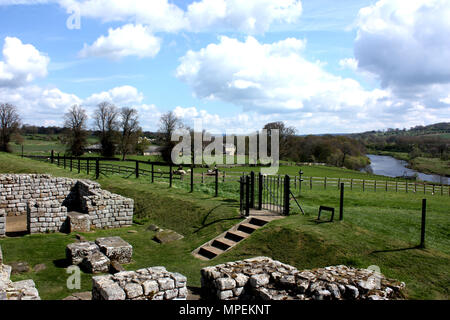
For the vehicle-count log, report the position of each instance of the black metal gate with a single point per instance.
(272, 193)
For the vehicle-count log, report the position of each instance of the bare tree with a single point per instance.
(9, 125)
(75, 135)
(168, 123)
(106, 120)
(130, 131)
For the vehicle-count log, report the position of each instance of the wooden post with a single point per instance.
(341, 203)
(79, 166)
(52, 157)
(137, 170)
(406, 186)
(396, 186)
(310, 183)
(375, 186)
(170, 176)
(217, 182)
(325, 183)
(422, 230)
(153, 172)
(87, 167)
(97, 168)
(58, 159)
(192, 178)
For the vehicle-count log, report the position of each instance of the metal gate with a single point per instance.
(261, 192)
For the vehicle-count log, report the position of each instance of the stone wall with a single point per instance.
(106, 209)
(265, 279)
(46, 201)
(154, 283)
(2, 223)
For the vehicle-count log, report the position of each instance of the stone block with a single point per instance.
(78, 222)
(96, 262)
(115, 248)
(76, 252)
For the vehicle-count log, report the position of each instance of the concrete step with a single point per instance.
(223, 244)
(259, 221)
(209, 252)
(247, 228)
(236, 236)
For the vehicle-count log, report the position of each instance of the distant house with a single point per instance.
(95, 148)
(154, 150)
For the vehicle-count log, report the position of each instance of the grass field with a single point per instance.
(378, 229)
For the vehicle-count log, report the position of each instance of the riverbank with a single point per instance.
(421, 164)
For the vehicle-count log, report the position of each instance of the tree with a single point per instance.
(9, 125)
(168, 123)
(106, 121)
(286, 134)
(75, 134)
(130, 131)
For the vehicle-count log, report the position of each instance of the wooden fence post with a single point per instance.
(79, 166)
(153, 172)
(192, 178)
(137, 170)
(97, 168)
(422, 230)
(325, 183)
(87, 167)
(52, 157)
(170, 176)
(375, 186)
(310, 183)
(341, 203)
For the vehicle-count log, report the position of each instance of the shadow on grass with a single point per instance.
(216, 221)
(397, 250)
(61, 263)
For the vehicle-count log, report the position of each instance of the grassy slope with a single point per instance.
(378, 228)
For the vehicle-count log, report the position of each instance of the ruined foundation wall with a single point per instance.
(2, 222)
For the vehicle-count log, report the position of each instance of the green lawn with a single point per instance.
(378, 229)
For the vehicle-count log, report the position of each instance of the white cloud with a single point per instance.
(270, 77)
(405, 43)
(22, 63)
(121, 96)
(128, 40)
(349, 63)
(250, 16)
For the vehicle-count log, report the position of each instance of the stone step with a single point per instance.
(223, 244)
(259, 221)
(236, 236)
(209, 252)
(247, 228)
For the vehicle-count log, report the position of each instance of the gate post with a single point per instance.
(252, 190)
(341, 203)
(97, 168)
(247, 195)
(170, 176)
(52, 157)
(422, 229)
(153, 172)
(287, 193)
(260, 190)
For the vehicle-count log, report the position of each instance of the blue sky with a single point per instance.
(321, 66)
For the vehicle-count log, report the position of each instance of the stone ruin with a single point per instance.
(19, 290)
(99, 256)
(265, 279)
(61, 204)
(154, 283)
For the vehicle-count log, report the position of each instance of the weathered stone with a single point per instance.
(241, 279)
(19, 267)
(224, 295)
(76, 252)
(351, 292)
(166, 284)
(115, 267)
(115, 248)
(78, 222)
(150, 287)
(259, 280)
(167, 236)
(133, 290)
(96, 262)
(225, 284)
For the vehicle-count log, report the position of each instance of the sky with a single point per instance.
(320, 66)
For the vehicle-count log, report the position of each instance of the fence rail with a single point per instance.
(164, 171)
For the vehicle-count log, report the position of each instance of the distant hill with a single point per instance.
(441, 129)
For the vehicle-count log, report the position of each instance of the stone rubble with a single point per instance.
(20, 290)
(154, 283)
(262, 278)
(97, 257)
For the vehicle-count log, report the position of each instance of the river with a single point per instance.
(391, 167)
